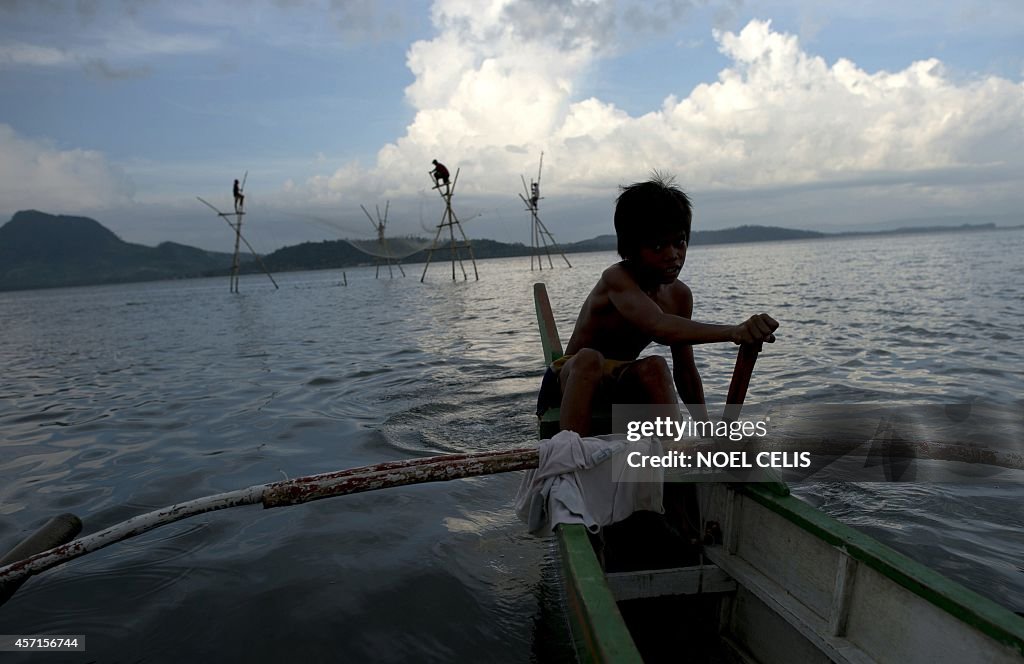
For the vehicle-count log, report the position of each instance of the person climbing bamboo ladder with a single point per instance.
(440, 174)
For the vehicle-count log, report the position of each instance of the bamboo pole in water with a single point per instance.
(238, 230)
(278, 494)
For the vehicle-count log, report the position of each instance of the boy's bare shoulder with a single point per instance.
(617, 278)
(616, 274)
(682, 298)
(674, 298)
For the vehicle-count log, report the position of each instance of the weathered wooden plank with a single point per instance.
(811, 626)
(804, 565)
(757, 631)
(699, 579)
(843, 591)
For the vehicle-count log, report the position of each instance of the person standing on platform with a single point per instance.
(239, 197)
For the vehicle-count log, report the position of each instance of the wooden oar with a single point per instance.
(745, 359)
(741, 373)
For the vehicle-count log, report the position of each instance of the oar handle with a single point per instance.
(745, 360)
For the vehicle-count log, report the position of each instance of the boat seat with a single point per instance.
(693, 580)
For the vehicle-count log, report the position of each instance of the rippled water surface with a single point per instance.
(119, 400)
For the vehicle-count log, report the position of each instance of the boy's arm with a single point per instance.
(687, 379)
(670, 330)
(684, 368)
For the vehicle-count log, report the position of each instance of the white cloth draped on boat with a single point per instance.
(587, 480)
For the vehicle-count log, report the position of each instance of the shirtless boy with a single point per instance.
(637, 301)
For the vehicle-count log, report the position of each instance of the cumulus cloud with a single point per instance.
(493, 88)
(499, 81)
(784, 116)
(37, 175)
(487, 89)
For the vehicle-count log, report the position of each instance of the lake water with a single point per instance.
(122, 399)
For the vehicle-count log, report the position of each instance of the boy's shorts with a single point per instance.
(550, 395)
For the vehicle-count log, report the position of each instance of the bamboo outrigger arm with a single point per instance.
(57, 531)
(276, 494)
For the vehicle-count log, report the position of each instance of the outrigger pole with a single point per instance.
(379, 226)
(450, 221)
(541, 238)
(237, 227)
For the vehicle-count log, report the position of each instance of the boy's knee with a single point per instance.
(652, 370)
(587, 363)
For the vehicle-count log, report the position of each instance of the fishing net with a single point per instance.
(396, 248)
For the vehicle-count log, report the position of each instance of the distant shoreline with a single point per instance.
(38, 250)
(326, 254)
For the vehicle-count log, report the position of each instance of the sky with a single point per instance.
(810, 114)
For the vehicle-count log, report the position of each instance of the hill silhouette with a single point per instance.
(39, 250)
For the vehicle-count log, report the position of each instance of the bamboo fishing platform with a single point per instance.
(236, 226)
(451, 222)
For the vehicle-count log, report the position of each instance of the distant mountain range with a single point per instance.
(39, 250)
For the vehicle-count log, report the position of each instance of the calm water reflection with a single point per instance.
(118, 400)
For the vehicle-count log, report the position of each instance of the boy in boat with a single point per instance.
(635, 302)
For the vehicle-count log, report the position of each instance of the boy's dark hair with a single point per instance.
(648, 210)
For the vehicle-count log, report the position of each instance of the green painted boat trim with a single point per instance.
(598, 628)
(987, 616)
(548, 423)
(548, 331)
